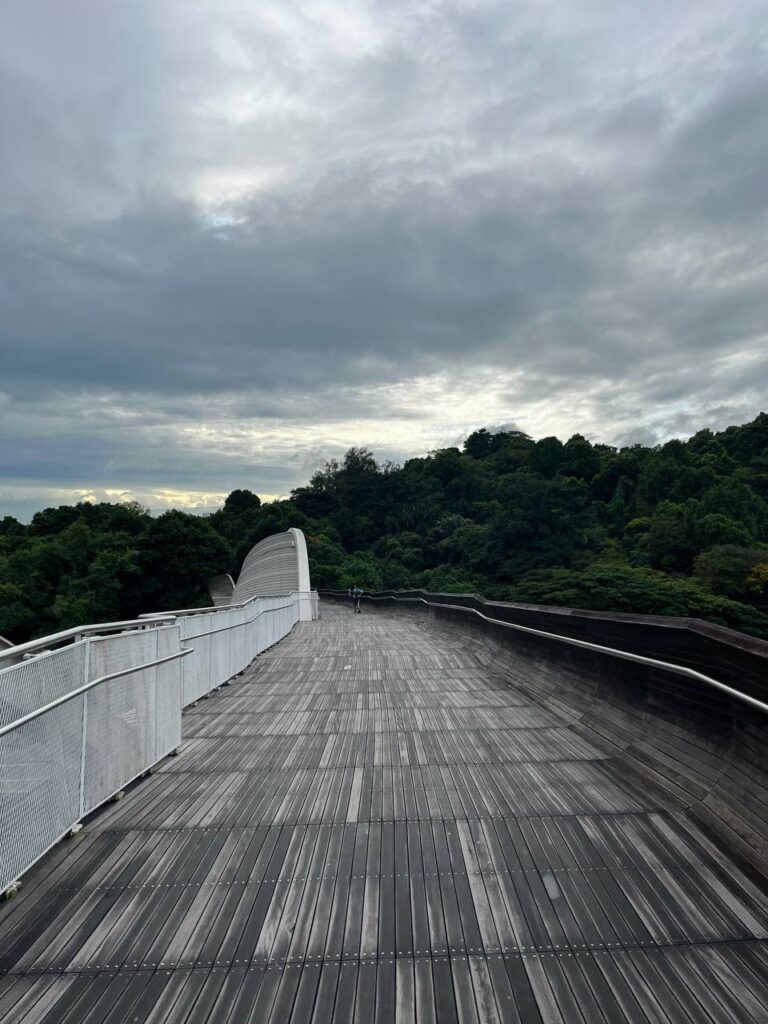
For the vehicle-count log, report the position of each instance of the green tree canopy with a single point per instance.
(680, 528)
(239, 501)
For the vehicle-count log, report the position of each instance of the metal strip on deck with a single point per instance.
(370, 826)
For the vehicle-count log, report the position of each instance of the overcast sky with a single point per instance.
(237, 238)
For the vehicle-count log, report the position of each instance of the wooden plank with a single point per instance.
(373, 825)
(346, 994)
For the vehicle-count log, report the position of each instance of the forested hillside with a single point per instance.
(680, 529)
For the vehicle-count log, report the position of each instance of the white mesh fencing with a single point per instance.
(227, 641)
(79, 723)
(120, 713)
(37, 682)
(40, 792)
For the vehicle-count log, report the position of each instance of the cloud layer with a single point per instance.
(234, 241)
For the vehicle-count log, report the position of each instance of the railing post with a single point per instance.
(157, 695)
(231, 632)
(84, 733)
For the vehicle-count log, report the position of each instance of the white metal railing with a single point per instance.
(19, 652)
(80, 722)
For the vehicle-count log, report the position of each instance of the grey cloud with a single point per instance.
(715, 166)
(637, 119)
(271, 216)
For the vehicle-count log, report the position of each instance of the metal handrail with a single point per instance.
(237, 625)
(44, 642)
(78, 631)
(615, 652)
(208, 609)
(32, 715)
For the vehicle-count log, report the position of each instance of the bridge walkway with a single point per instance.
(371, 826)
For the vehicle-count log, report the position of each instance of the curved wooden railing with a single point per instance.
(682, 702)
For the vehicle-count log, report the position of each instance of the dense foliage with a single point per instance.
(680, 529)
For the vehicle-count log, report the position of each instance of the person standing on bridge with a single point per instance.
(356, 593)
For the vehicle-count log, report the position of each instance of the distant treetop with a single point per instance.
(241, 500)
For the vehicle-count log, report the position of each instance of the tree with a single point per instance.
(664, 479)
(239, 501)
(482, 443)
(540, 523)
(176, 556)
(11, 533)
(364, 570)
(733, 571)
(715, 528)
(619, 470)
(479, 444)
(326, 562)
(316, 504)
(449, 579)
(691, 513)
(17, 618)
(668, 543)
(647, 591)
(579, 459)
(734, 498)
(547, 456)
(51, 521)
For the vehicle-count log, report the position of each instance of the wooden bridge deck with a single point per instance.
(368, 826)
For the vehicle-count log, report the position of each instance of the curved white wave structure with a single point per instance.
(221, 589)
(276, 566)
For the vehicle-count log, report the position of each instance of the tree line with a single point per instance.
(676, 529)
